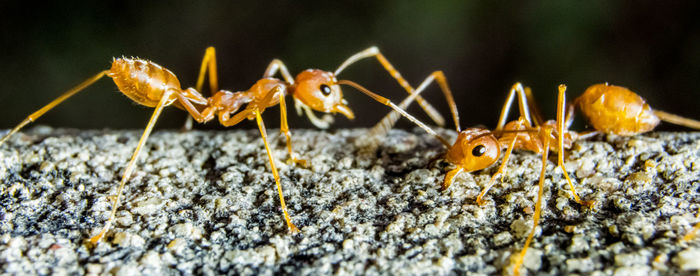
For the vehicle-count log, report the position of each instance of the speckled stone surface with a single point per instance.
(205, 203)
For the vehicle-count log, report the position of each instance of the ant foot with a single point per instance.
(292, 228)
(297, 161)
(112, 198)
(588, 203)
(92, 242)
(445, 186)
(480, 201)
(691, 235)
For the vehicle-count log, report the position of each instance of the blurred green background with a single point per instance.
(652, 47)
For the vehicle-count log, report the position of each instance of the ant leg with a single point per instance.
(54, 103)
(284, 128)
(500, 172)
(560, 129)
(502, 169)
(164, 101)
(535, 110)
(569, 119)
(374, 52)
(388, 103)
(275, 65)
(186, 101)
(263, 133)
(677, 120)
(208, 64)
(227, 121)
(691, 235)
(538, 204)
(449, 178)
(587, 134)
(383, 126)
(252, 107)
(522, 103)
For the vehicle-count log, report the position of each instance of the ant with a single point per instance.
(154, 86)
(609, 109)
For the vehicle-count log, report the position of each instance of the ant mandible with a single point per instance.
(151, 85)
(609, 108)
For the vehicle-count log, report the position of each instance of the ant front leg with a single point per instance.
(284, 128)
(164, 101)
(502, 169)
(54, 103)
(226, 120)
(450, 177)
(208, 65)
(249, 112)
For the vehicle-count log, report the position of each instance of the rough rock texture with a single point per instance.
(205, 203)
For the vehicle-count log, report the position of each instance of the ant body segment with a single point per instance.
(151, 85)
(609, 109)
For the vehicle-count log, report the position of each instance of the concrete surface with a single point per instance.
(205, 203)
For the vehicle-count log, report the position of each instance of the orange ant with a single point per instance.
(609, 108)
(151, 85)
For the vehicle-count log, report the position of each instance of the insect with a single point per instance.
(609, 108)
(154, 86)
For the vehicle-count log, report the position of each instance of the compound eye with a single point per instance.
(479, 150)
(325, 89)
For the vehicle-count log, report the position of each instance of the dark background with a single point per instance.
(652, 47)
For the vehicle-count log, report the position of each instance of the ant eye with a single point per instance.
(325, 90)
(479, 150)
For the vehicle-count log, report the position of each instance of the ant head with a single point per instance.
(320, 91)
(475, 149)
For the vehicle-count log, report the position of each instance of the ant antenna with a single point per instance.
(387, 102)
(354, 58)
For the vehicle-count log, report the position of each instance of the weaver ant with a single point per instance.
(609, 109)
(151, 85)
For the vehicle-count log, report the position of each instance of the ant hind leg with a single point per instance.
(164, 101)
(32, 117)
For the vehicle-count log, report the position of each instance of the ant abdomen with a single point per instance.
(141, 80)
(616, 109)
